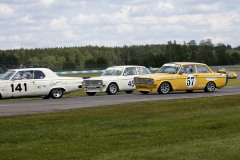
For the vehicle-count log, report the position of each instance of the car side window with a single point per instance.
(187, 69)
(39, 75)
(142, 71)
(202, 69)
(130, 71)
(23, 75)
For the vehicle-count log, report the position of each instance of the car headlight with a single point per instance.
(150, 81)
(100, 82)
(83, 82)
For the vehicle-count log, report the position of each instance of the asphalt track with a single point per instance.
(52, 105)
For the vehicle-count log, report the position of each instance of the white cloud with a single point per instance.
(47, 2)
(208, 7)
(165, 6)
(2, 38)
(86, 19)
(14, 38)
(123, 28)
(69, 34)
(59, 23)
(5, 10)
(27, 19)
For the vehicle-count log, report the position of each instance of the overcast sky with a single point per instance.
(67, 23)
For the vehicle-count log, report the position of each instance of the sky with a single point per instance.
(110, 23)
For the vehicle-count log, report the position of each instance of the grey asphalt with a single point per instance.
(52, 105)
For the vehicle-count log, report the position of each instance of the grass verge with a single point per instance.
(204, 128)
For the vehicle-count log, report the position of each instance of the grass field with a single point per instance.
(191, 129)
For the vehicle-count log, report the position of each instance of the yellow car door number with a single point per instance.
(190, 81)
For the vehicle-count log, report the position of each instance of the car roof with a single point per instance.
(33, 69)
(46, 71)
(185, 63)
(125, 66)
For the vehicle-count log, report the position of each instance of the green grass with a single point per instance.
(196, 129)
(233, 82)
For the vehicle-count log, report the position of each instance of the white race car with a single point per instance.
(31, 82)
(114, 79)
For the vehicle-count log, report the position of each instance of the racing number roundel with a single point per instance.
(190, 81)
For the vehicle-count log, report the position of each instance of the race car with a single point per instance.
(33, 82)
(114, 79)
(232, 75)
(179, 76)
(222, 70)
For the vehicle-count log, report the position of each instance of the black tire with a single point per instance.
(164, 88)
(210, 87)
(129, 92)
(46, 97)
(144, 92)
(91, 93)
(112, 88)
(56, 93)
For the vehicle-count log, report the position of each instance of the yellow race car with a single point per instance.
(179, 76)
(232, 75)
(222, 70)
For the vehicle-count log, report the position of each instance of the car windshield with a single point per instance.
(112, 73)
(7, 75)
(169, 69)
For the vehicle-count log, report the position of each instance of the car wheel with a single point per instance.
(210, 87)
(56, 93)
(91, 93)
(144, 92)
(164, 88)
(128, 92)
(112, 88)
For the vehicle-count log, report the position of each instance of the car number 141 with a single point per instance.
(19, 87)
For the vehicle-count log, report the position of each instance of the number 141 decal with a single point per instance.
(19, 87)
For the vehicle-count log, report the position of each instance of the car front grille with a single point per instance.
(142, 80)
(92, 82)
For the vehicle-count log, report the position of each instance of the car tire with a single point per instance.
(91, 93)
(144, 92)
(56, 93)
(210, 87)
(129, 92)
(46, 97)
(112, 88)
(164, 88)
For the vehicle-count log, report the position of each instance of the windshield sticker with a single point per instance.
(115, 68)
(190, 81)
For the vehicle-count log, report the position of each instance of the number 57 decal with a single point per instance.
(19, 87)
(190, 81)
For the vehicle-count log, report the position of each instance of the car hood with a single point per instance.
(105, 78)
(157, 76)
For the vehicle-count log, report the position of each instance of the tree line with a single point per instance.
(95, 57)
